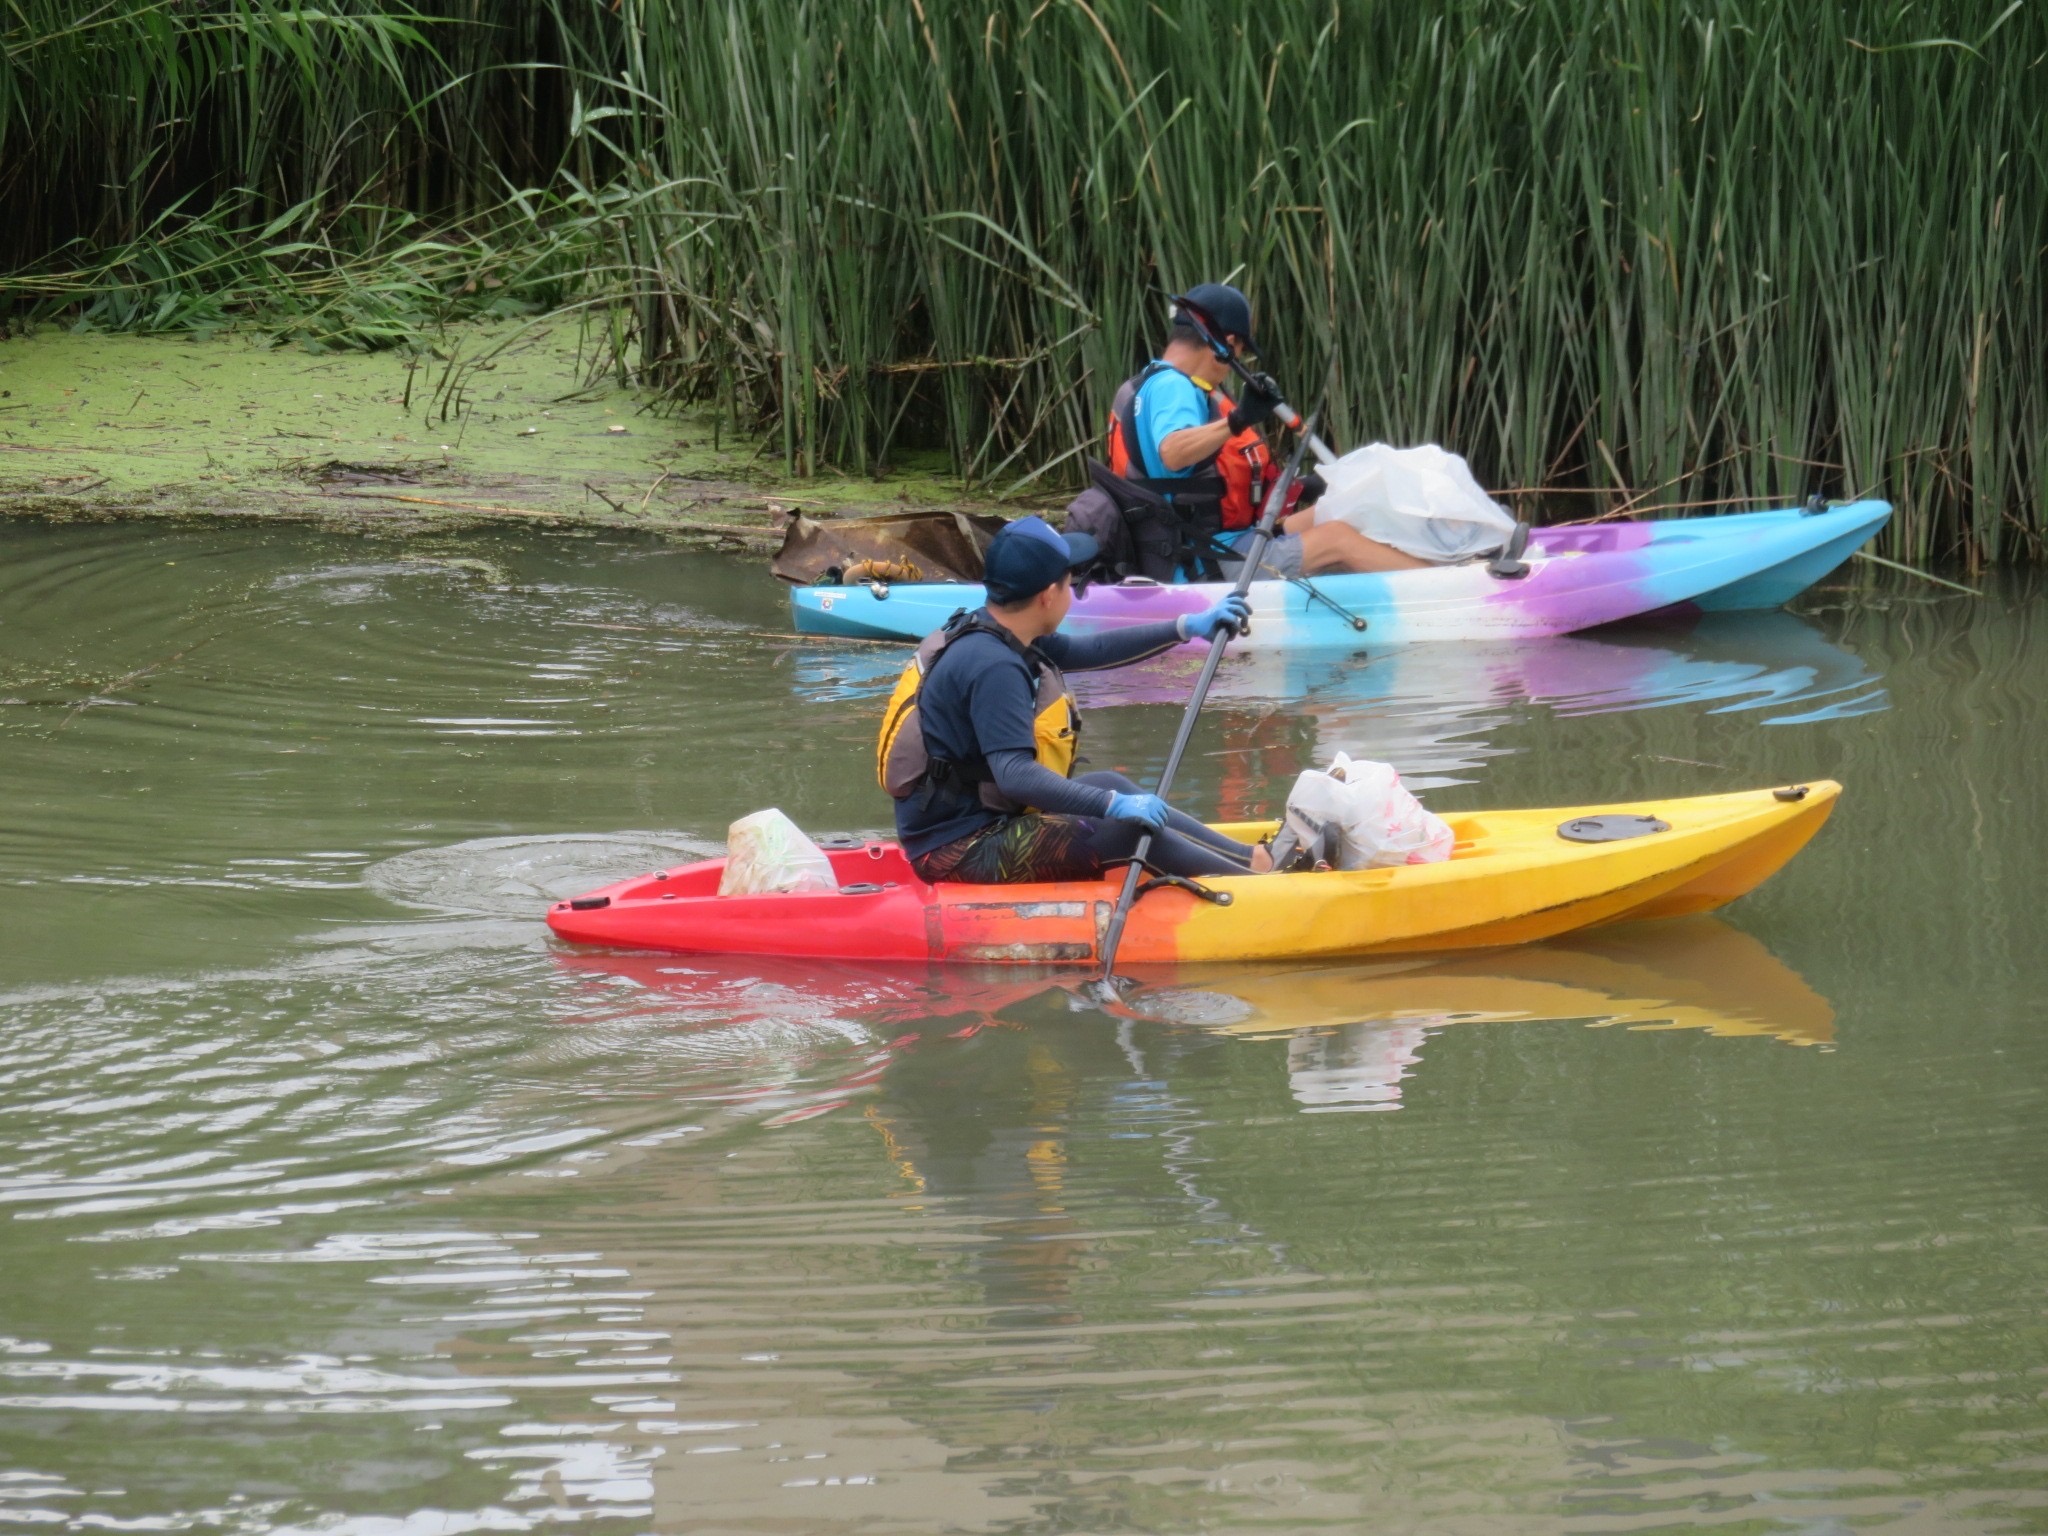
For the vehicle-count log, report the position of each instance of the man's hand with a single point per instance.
(1261, 396)
(1233, 614)
(1140, 810)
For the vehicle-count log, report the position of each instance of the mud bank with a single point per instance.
(500, 422)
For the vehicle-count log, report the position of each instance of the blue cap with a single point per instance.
(1028, 556)
(1222, 308)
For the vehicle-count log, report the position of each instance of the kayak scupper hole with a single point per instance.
(1469, 835)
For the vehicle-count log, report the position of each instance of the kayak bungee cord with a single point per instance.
(1106, 985)
(1317, 594)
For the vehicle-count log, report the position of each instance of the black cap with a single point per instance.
(1028, 556)
(1222, 308)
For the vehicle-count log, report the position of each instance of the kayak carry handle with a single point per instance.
(1192, 887)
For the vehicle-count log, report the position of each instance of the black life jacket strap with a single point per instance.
(966, 619)
(1186, 490)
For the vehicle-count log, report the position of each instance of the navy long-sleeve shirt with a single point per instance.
(979, 701)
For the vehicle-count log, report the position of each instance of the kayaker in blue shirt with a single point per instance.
(1172, 423)
(989, 798)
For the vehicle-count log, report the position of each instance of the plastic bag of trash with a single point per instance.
(1423, 501)
(1360, 816)
(767, 854)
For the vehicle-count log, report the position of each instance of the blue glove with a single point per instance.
(1145, 810)
(1233, 613)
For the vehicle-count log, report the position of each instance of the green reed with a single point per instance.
(366, 278)
(339, 172)
(1671, 250)
(1689, 249)
(111, 112)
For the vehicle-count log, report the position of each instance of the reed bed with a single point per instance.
(1689, 250)
(1616, 253)
(113, 112)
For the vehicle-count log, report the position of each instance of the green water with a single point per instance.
(337, 1199)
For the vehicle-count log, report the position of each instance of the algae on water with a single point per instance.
(500, 421)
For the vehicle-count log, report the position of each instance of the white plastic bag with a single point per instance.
(1377, 822)
(1423, 501)
(767, 854)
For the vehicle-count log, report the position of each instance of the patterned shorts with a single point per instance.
(1017, 850)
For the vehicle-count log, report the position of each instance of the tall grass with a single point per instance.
(1691, 249)
(114, 111)
(350, 174)
(1674, 250)
(362, 276)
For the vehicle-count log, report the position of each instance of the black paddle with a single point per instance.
(1284, 413)
(1105, 986)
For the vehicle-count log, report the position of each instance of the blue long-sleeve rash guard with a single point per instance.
(978, 702)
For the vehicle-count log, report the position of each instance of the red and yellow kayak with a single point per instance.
(1514, 877)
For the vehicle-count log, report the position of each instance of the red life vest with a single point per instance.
(1235, 479)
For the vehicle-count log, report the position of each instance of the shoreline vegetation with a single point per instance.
(493, 421)
(1618, 256)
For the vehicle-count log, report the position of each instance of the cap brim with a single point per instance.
(1081, 548)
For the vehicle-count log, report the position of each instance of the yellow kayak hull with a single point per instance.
(1511, 879)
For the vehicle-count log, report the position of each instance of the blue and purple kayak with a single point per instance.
(1577, 578)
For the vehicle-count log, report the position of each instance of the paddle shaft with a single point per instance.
(1262, 536)
(1289, 417)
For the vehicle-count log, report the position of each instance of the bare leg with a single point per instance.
(1330, 547)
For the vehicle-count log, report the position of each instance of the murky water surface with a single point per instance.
(337, 1198)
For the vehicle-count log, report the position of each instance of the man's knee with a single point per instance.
(1115, 839)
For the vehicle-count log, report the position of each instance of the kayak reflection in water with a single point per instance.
(978, 741)
(980, 1122)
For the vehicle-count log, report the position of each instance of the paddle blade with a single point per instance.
(1105, 992)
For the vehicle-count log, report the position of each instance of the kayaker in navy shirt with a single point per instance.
(978, 708)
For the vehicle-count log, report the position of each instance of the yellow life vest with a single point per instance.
(902, 762)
